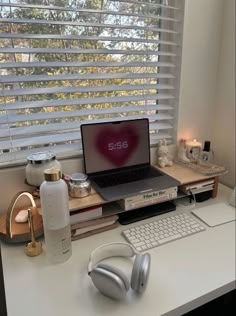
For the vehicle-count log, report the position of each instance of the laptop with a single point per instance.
(117, 159)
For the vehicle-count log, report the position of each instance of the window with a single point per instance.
(67, 62)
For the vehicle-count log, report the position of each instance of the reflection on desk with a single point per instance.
(185, 274)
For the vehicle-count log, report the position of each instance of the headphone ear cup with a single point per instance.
(117, 272)
(140, 272)
(110, 281)
(136, 272)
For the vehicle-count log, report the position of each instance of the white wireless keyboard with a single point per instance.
(161, 231)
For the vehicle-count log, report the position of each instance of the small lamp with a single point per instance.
(13, 232)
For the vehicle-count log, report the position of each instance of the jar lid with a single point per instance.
(52, 174)
(77, 178)
(41, 157)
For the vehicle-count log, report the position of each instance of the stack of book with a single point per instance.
(85, 214)
(90, 221)
(145, 199)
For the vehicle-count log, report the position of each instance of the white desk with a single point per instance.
(184, 275)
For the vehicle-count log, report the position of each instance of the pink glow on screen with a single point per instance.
(117, 146)
(114, 145)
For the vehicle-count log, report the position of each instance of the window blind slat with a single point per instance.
(103, 12)
(82, 38)
(81, 101)
(14, 79)
(151, 4)
(64, 63)
(38, 91)
(67, 114)
(72, 8)
(81, 51)
(84, 24)
(83, 64)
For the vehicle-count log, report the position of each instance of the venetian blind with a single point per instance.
(68, 62)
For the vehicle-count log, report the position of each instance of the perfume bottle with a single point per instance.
(206, 154)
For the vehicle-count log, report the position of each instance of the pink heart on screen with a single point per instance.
(117, 146)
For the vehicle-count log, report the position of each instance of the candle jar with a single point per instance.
(194, 149)
(79, 185)
(37, 163)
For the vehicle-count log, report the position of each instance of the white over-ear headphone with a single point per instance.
(111, 281)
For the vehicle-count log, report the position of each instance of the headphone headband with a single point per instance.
(118, 249)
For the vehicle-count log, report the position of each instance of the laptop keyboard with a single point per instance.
(127, 176)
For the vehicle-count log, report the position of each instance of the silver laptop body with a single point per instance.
(117, 159)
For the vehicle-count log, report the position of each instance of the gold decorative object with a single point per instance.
(13, 232)
(33, 248)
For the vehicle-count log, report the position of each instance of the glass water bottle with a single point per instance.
(56, 219)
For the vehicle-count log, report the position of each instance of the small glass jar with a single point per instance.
(79, 185)
(37, 163)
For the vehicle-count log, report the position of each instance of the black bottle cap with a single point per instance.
(207, 146)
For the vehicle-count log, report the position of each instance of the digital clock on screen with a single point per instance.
(118, 145)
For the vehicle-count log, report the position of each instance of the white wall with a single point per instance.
(201, 45)
(207, 89)
(206, 30)
(223, 132)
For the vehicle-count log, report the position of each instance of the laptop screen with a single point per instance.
(114, 145)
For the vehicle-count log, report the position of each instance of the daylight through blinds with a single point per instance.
(67, 62)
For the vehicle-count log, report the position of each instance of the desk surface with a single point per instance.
(183, 174)
(184, 275)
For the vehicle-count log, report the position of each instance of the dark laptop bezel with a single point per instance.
(91, 175)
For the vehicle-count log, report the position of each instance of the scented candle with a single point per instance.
(193, 149)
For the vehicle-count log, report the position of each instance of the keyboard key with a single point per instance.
(170, 238)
